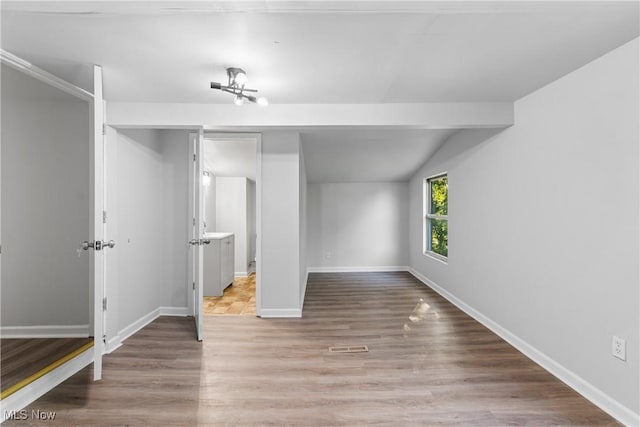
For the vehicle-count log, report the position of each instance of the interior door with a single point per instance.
(98, 228)
(196, 209)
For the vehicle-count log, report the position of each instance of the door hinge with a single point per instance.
(104, 304)
(104, 217)
(104, 339)
(194, 286)
(194, 221)
(104, 128)
(194, 158)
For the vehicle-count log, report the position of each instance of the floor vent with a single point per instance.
(349, 349)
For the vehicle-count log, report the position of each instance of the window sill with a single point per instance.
(436, 257)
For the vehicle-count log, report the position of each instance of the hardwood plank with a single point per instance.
(425, 366)
(23, 357)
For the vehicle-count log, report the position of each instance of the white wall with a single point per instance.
(147, 202)
(210, 204)
(45, 205)
(356, 225)
(544, 226)
(280, 228)
(231, 216)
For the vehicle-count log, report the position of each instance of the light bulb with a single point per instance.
(263, 101)
(240, 78)
(238, 100)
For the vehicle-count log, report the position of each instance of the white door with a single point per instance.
(196, 213)
(97, 261)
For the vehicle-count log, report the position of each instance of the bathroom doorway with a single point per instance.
(230, 221)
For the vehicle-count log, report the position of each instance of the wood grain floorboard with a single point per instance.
(427, 365)
(23, 357)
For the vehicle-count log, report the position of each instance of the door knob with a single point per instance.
(205, 242)
(110, 244)
(194, 242)
(86, 245)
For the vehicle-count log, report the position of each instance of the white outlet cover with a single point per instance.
(619, 348)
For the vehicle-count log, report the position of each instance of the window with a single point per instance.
(436, 216)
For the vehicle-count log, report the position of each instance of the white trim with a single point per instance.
(173, 311)
(45, 331)
(280, 312)
(357, 269)
(31, 70)
(134, 327)
(31, 392)
(240, 274)
(115, 342)
(586, 389)
(304, 289)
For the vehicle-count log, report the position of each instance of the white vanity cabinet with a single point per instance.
(219, 262)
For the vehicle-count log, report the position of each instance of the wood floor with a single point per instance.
(238, 299)
(21, 358)
(428, 364)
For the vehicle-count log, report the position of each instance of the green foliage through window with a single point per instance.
(437, 224)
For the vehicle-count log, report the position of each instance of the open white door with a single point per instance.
(196, 213)
(97, 262)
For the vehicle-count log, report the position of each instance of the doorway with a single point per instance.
(230, 188)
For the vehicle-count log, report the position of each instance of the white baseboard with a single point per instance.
(135, 326)
(31, 392)
(113, 344)
(241, 274)
(174, 311)
(304, 290)
(116, 341)
(280, 312)
(357, 269)
(586, 389)
(45, 331)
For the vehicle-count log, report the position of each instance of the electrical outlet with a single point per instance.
(619, 348)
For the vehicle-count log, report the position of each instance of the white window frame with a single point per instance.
(428, 217)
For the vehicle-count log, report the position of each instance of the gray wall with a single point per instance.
(544, 222)
(302, 196)
(45, 204)
(354, 225)
(251, 220)
(280, 226)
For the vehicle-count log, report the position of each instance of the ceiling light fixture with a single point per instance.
(235, 86)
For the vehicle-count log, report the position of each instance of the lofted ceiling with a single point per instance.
(315, 52)
(309, 52)
(367, 155)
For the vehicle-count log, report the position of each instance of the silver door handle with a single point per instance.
(194, 242)
(86, 245)
(205, 242)
(109, 244)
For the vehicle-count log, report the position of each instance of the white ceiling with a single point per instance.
(230, 157)
(309, 52)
